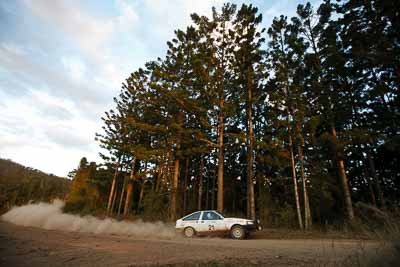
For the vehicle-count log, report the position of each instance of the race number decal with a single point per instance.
(211, 227)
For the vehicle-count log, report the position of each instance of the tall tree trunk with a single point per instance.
(296, 190)
(208, 192)
(307, 211)
(165, 170)
(371, 189)
(129, 189)
(113, 201)
(288, 110)
(292, 162)
(122, 197)
(158, 180)
(200, 192)
(221, 126)
(213, 190)
(159, 176)
(112, 191)
(371, 164)
(142, 184)
(185, 183)
(344, 179)
(247, 200)
(250, 148)
(175, 190)
(175, 180)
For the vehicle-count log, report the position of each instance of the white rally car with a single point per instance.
(210, 221)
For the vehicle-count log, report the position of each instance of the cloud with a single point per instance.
(92, 35)
(86, 31)
(75, 67)
(66, 136)
(65, 66)
(45, 130)
(22, 67)
(40, 116)
(128, 17)
(62, 62)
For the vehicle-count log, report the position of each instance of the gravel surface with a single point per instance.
(28, 246)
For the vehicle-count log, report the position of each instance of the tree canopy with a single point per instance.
(293, 124)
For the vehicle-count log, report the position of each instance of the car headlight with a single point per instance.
(250, 222)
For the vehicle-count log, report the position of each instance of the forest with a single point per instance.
(295, 124)
(20, 185)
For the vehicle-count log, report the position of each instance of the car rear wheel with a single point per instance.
(189, 232)
(237, 232)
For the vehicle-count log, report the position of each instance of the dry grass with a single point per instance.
(387, 251)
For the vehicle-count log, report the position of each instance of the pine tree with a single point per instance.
(281, 57)
(249, 68)
(217, 50)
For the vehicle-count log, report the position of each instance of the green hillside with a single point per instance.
(20, 184)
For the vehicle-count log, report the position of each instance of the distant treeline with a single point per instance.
(20, 184)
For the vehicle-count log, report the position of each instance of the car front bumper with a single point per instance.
(253, 227)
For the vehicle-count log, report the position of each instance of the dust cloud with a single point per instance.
(49, 216)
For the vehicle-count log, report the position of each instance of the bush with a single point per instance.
(284, 217)
(155, 205)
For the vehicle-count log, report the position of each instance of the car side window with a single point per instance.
(210, 215)
(192, 217)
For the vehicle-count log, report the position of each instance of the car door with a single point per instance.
(220, 224)
(192, 220)
(211, 222)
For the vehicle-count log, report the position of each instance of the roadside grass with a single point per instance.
(378, 247)
(384, 253)
(284, 233)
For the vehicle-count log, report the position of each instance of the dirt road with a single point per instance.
(27, 246)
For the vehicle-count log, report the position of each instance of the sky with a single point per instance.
(62, 62)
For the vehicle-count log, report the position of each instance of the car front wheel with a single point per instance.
(189, 232)
(237, 232)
